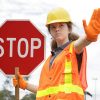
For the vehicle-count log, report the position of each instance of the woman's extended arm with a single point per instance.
(92, 30)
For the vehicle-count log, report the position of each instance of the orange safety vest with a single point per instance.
(62, 80)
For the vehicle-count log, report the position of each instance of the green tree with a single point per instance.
(6, 95)
(29, 97)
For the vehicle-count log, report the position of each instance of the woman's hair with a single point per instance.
(72, 36)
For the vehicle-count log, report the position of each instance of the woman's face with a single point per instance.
(59, 31)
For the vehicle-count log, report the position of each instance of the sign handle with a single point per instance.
(17, 87)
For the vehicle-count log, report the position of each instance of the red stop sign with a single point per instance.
(21, 45)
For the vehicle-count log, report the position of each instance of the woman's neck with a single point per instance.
(62, 43)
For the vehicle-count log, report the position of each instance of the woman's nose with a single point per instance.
(57, 29)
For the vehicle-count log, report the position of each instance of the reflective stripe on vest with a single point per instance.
(68, 71)
(68, 67)
(67, 87)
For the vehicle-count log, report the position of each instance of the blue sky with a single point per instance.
(36, 11)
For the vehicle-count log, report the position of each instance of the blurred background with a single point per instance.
(36, 11)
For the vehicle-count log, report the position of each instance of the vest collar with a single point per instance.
(58, 49)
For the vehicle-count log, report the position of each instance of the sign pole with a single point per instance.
(17, 87)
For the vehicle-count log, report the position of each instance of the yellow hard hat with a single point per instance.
(58, 15)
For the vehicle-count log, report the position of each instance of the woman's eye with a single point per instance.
(61, 25)
(52, 27)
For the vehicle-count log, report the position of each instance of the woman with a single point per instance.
(63, 73)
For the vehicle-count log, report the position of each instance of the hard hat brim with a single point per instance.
(57, 21)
